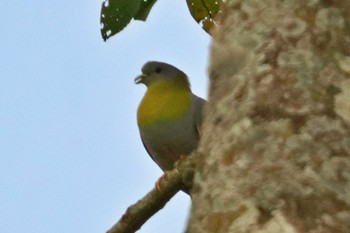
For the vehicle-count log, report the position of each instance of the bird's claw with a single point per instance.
(160, 180)
(179, 161)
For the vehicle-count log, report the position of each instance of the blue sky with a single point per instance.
(70, 155)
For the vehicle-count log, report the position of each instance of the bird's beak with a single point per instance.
(139, 79)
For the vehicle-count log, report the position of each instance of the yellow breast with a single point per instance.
(163, 101)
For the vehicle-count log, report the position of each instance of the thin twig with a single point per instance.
(137, 214)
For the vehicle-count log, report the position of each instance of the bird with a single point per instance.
(169, 115)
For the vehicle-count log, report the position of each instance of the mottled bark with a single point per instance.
(276, 138)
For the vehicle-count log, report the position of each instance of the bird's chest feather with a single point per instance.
(163, 103)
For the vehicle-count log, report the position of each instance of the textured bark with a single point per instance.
(276, 138)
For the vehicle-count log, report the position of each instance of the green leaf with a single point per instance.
(204, 11)
(116, 14)
(145, 8)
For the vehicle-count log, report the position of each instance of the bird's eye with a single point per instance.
(158, 70)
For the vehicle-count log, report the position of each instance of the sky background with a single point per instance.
(71, 159)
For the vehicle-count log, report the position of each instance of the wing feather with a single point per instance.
(198, 106)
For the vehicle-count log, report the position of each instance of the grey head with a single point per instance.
(154, 71)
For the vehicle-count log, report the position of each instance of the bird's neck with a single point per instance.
(163, 101)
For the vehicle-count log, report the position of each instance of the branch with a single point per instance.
(137, 214)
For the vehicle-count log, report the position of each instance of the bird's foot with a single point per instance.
(179, 161)
(160, 180)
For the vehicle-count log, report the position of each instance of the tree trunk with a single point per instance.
(276, 137)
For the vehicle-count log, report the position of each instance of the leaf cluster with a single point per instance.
(117, 14)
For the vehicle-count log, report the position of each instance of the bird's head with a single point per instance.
(154, 72)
